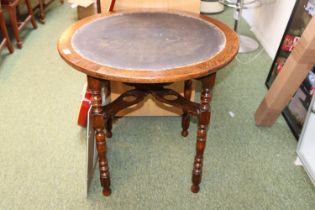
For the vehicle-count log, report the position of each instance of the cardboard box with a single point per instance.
(85, 8)
(86, 11)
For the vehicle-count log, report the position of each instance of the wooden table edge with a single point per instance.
(211, 65)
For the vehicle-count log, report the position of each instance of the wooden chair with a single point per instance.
(17, 26)
(6, 39)
(42, 5)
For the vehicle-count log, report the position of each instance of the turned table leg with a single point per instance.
(95, 86)
(203, 121)
(186, 115)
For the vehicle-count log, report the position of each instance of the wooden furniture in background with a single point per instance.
(149, 107)
(122, 5)
(17, 26)
(148, 50)
(42, 6)
(294, 71)
(6, 39)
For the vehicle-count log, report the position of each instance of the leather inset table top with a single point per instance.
(154, 41)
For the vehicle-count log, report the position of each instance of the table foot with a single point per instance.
(185, 133)
(107, 192)
(19, 45)
(106, 186)
(109, 134)
(194, 188)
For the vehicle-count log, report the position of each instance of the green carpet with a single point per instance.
(43, 151)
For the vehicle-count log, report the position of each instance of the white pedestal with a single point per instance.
(306, 146)
(247, 44)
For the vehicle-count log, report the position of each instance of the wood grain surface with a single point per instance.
(148, 41)
(199, 69)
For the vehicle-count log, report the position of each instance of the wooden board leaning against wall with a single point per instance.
(294, 71)
(150, 107)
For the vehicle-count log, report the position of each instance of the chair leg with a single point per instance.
(41, 11)
(186, 115)
(30, 12)
(203, 121)
(14, 24)
(95, 86)
(5, 33)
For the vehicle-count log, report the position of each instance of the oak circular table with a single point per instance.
(149, 50)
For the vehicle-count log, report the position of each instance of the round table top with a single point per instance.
(148, 46)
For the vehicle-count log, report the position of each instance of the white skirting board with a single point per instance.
(306, 146)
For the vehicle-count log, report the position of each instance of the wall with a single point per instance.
(268, 22)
